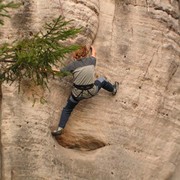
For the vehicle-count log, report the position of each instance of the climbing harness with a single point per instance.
(83, 88)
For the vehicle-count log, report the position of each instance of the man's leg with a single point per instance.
(66, 112)
(103, 83)
(71, 104)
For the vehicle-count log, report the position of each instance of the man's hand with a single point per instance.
(93, 51)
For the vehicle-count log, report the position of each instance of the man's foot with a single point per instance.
(57, 132)
(116, 87)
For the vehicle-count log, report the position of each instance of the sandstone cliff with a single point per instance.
(134, 135)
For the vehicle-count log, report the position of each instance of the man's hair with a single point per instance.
(80, 53)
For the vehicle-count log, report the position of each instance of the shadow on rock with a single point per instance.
(80, 142)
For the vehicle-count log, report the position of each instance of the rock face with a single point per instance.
(133, 135)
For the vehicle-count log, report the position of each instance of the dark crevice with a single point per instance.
(90, 7)
(172, 71)
(23, 19)
(173, 14)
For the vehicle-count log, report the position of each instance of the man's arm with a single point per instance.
(69, 68)
(65, 71)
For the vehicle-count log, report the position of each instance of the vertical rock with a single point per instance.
(134, 135)
(28, 149)
(0, 131)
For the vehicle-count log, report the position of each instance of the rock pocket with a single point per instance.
(81, 143)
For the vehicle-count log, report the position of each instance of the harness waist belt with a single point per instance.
(83, 87)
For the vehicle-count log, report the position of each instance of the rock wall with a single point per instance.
(134, 135)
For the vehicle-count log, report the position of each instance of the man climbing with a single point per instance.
(84, 86)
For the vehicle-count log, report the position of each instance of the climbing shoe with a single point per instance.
(116, 86)
(57, 132)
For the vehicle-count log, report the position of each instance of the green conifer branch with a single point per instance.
(34, 57)
(4, 9)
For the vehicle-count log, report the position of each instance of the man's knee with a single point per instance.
(100, 82)
(101, 79)
(73, 100)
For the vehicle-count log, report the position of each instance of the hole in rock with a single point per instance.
(81, 143)
(30, 33)
(124, 102)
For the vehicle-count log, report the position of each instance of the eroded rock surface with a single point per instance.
(134, 135)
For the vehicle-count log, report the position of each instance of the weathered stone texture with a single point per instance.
(134, 135)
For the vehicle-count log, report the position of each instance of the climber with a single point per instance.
(84, 86)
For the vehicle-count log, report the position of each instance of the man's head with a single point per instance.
(80, 53)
